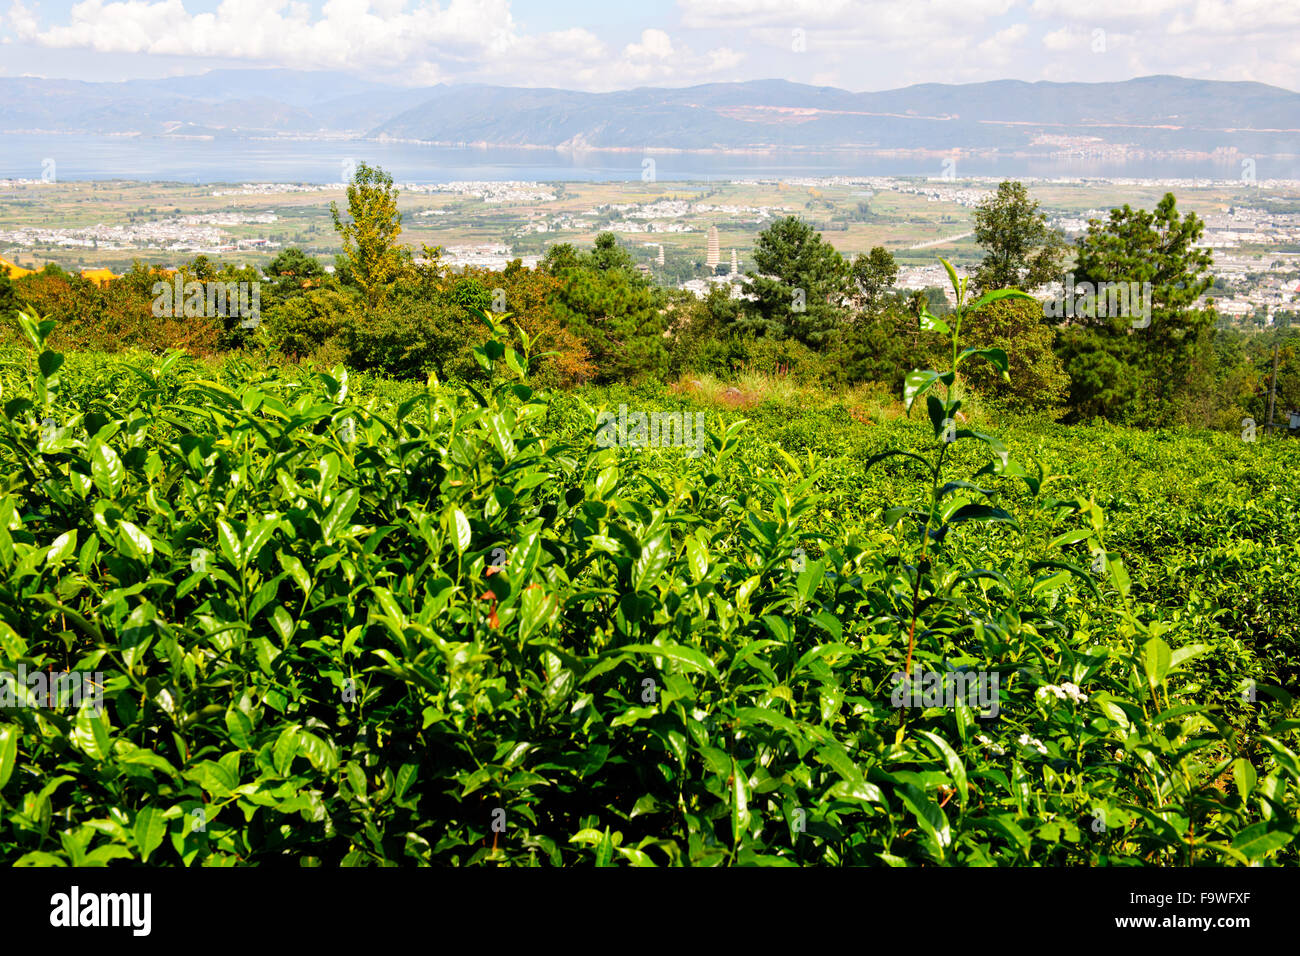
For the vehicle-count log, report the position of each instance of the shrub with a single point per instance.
(315, 325)
(363, 622)
(1037, 377)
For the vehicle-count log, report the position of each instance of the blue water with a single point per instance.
(89, 157)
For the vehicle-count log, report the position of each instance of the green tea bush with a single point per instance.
(369, 623)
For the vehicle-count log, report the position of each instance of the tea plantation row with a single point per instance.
(370, 623)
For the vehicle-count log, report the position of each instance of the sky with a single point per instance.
(619, 44)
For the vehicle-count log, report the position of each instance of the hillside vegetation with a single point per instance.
(346, 620)
(489, 590)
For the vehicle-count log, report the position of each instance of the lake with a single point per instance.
(90, 157)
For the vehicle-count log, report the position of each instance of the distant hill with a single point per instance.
(1156, 113)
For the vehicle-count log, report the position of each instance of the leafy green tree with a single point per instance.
(1238, 381)
(617, 315)
(936, 300)
(293, 269)
(371, 256)
(314, 325)
(1104, 378)
(76, 304)
(469, 293)
(874, 274)
(700, 328)
(1016, 326)
(407, 336)
(8, 298)
(801, 283)
(559, 257)
(1259, 358)
(247, 279)
(880, 346)
(603, 300)
(1022, 250)
(201, 269)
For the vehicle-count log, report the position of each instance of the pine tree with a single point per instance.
(1140, 368)
(801, 283)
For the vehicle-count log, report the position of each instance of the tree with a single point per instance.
(936, 300)
(560, 358)
(291, 274)
(410, 333)
(701, 329)
(371, 256)
(314, 325)
(120, 315)
(884, 345)
(1259, 355)
(1240, 382)
(559, 257)
(800, 282)
(469, 293)
(604, 302)
(201, 269)
(75, 304)
(294, 269)
(608, 255)
(247, 279)
(8, 298)
(616, 315)
(1158, 359)
(874, 274)
(1016, 326)
(1022, 251)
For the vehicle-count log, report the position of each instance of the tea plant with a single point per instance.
(343, 622)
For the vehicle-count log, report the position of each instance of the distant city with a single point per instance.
(1253, 227)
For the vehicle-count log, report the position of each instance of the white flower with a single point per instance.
(1028, 741)
(1072, 690)
(1066, 691)
(996, 749)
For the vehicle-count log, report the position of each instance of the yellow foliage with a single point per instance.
(14, 271)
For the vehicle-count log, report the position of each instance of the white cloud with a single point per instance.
(347, 32)
(892, 43)
(416, 44)
(862, 16)
(1235, 17)
(1004, 44)
(23, 21)
(1101, 11)
(864, 44)
(654, 43)
(656, 59)
(1066, 38)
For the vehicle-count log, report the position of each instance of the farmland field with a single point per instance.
(348, 620)
(900, 220)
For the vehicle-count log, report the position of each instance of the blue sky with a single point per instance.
(616, 44)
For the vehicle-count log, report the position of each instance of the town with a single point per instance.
(691, 236)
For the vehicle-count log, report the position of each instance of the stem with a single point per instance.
(925, 545)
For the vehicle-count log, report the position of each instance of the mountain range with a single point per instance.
(1156, 114)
